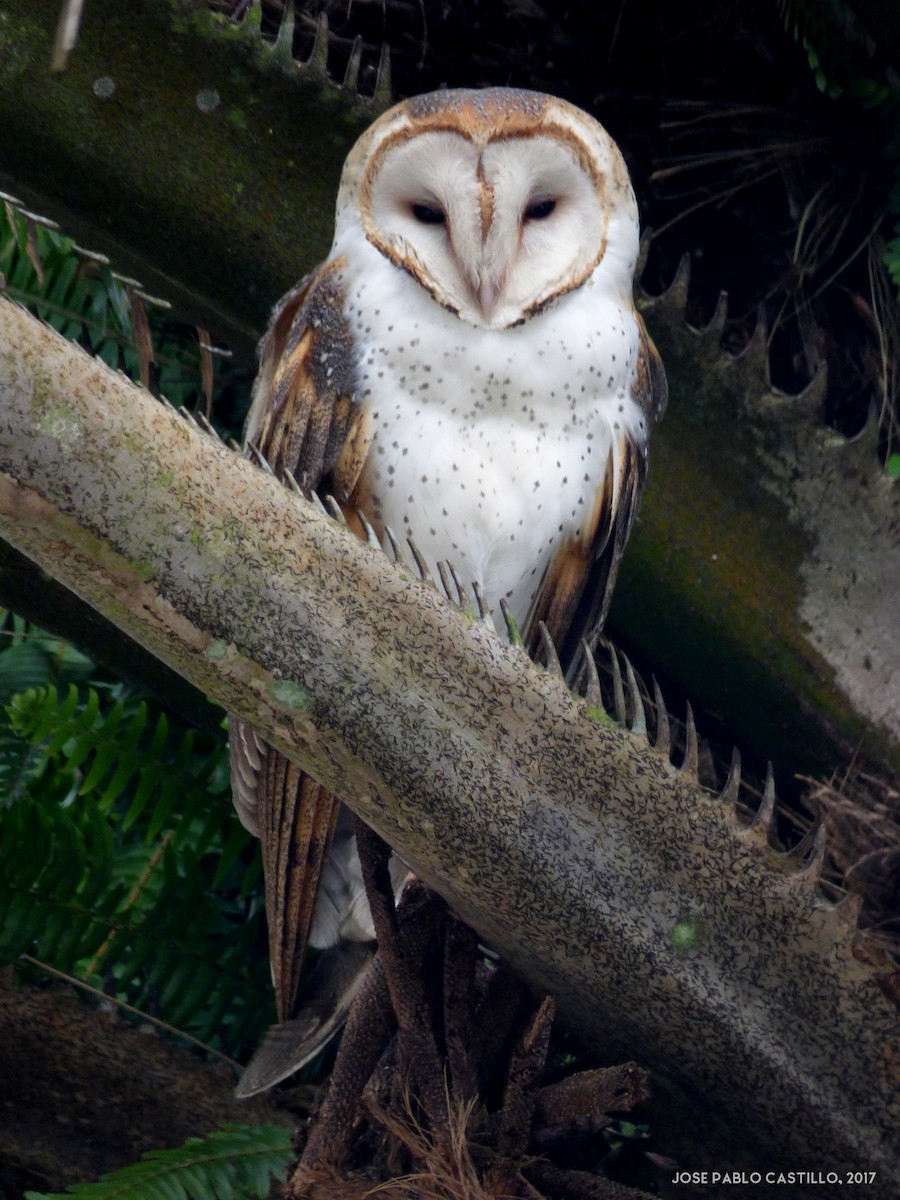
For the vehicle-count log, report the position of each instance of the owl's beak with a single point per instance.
(489, 291)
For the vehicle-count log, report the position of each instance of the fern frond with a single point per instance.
(29, 658)
(118, 751)
(124, 864)
(839, 53)
(82, 300)
(77, 297)
(236, 1162)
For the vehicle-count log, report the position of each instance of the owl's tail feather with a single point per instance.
(322, 1008)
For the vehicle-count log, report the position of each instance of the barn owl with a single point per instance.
(467, 368)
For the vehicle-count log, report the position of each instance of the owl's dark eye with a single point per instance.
(428, 214)
(540, 210)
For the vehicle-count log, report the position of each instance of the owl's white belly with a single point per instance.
(489, 446)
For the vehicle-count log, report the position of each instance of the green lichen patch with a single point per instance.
(58, 423)
(143, 569)
(686, 935)
(290, 695)
(515, 634)
(216, 650)
(600, 715)
(466, 614)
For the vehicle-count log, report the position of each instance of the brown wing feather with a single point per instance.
(576, 593)
(575, 597)
(303, 413)
(303, 420)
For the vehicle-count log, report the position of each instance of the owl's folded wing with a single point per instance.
(304, 418)
(304, 421)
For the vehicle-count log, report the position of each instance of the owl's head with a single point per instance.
(497, 201)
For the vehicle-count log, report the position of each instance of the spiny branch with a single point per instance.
(600, 871)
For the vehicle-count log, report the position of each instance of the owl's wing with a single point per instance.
(574, 599)
(304, 420)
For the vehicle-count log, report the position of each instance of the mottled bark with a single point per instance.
(666, 930)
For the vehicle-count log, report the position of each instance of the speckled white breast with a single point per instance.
(489, 445)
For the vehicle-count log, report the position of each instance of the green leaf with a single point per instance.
(82, 300)
(95, 779)
(235, 1161)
